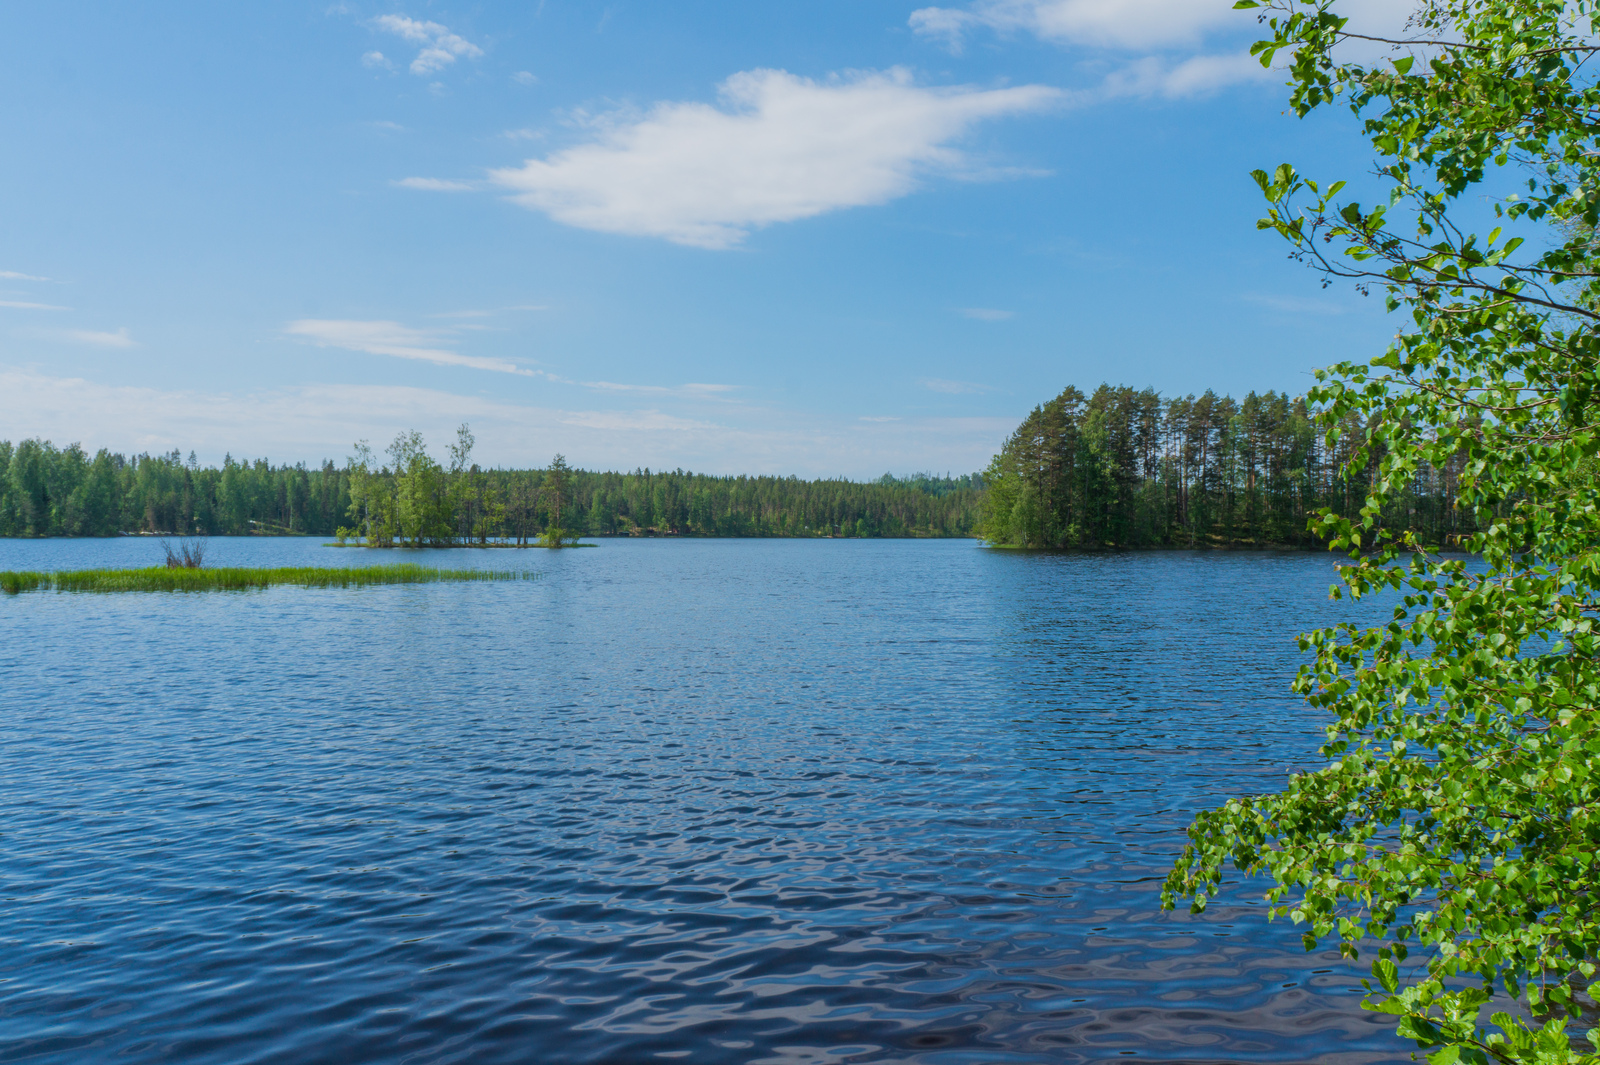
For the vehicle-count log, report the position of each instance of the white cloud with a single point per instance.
(1114, 23)
(1195, 76)
(1205, 73)
(119, 339)
(12, 275)
(780, 148)
(985, 314)
(1174, 27)
(375, 59)
(426, 184)
(525, 77)
(955, 388)
(440, 47)
(945, 24)
(394, 339)
(23, 305)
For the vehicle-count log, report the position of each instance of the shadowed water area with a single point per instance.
(701, 800)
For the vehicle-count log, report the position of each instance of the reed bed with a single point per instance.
(227, 579)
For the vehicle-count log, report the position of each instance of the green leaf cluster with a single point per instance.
(1454, 832)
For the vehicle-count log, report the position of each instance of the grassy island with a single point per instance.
(224, 579)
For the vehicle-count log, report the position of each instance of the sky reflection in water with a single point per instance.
(711, 801)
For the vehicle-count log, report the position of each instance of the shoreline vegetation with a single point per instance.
(405, 495)
(231, 578)
(471, 545)
(1116, 469)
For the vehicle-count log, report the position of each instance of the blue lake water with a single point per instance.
(778, 801)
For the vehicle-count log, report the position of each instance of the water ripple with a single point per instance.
(713, 801)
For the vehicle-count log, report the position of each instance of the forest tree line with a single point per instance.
(1128, 468)
(405, 496)
(1120, 468)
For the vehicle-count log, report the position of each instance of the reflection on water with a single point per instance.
(710, 801)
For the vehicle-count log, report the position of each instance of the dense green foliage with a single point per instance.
(414, 500)
(170, 579)
(411, 498)
(1127, 468)
(1455, 829)
(46, 491)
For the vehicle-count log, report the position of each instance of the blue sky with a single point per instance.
(823, 238)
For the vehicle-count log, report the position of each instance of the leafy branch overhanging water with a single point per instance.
(1456, 827)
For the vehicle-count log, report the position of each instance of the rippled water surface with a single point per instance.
(702, 800)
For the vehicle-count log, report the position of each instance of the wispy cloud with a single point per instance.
(316, 421)
(425, 184)
(440, 47)
(633, 421)
(986, 314)
(955, 388)
(376, 60)
(92, 337)
(722, 393)
(23, 305)
(778, 149)
(1117, 23)
(525, 77)
(12, 275)
(393, 339)
(690, 391)
(387, 126)
(1195, 76)
(1172, 35)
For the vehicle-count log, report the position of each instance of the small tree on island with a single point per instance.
(371, 500)
(555, 493)
(1456, 826)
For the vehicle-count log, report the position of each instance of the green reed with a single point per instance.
(163, 579)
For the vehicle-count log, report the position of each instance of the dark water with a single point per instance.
(704, 801)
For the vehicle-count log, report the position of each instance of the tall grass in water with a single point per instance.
(164, 579)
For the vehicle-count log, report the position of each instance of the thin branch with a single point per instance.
(1587, 49)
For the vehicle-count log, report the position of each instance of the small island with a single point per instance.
(240, 578)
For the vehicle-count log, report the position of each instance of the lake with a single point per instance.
(776, 801)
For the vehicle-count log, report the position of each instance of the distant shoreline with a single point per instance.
(449, 547)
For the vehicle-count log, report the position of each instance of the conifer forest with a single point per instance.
(406, 497)
(1118, 468)
(1127, 468)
